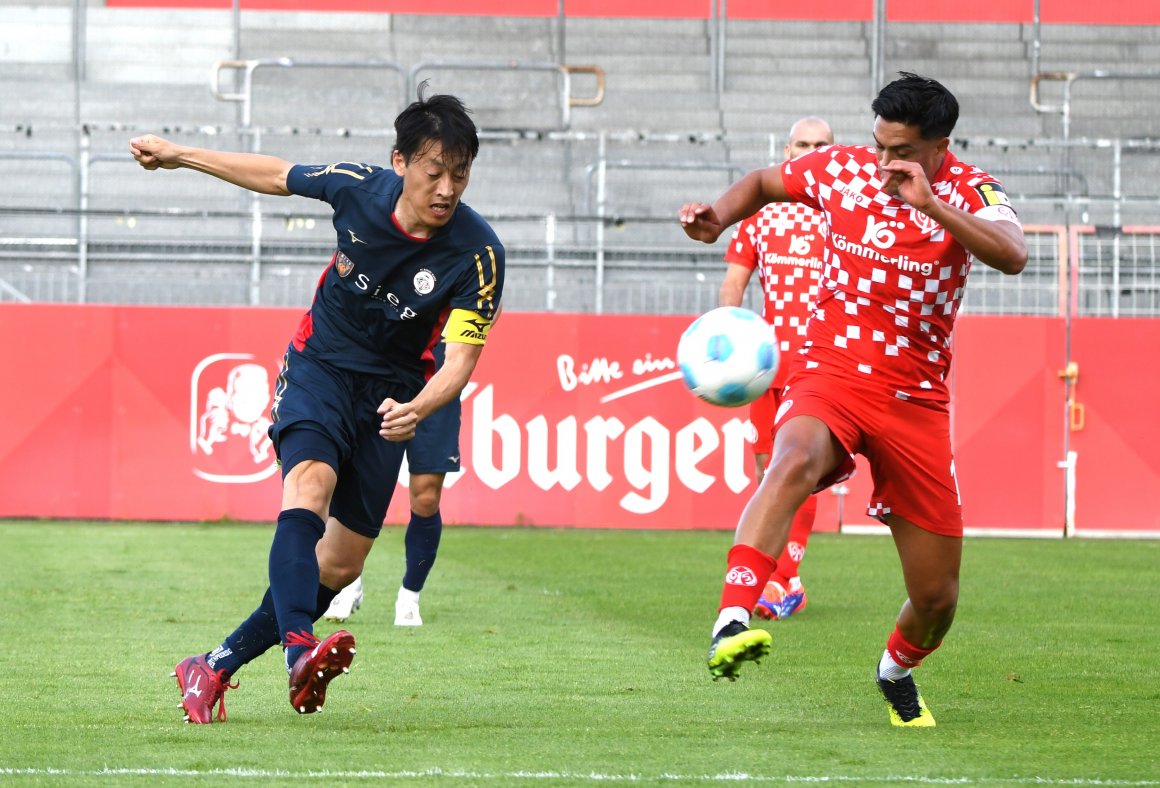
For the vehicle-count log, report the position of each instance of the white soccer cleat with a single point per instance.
(407, 609)
(348, 600)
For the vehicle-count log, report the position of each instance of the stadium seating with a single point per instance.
(668, 134)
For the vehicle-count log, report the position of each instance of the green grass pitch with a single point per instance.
(567, 657)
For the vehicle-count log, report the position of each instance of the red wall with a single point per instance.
(1118, 469)
(1127, 12)
(571, 420)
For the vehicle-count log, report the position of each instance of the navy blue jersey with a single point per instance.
(386, 295)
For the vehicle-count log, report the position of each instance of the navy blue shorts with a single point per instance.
(329, 414)
(435, 447)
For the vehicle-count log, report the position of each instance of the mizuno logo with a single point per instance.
(454, 458)
(354, 239)
(193, 689)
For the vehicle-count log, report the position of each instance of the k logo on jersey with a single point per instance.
(879, 233)
(800, 244)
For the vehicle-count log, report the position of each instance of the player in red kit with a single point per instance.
(905, 219)
(784, 243)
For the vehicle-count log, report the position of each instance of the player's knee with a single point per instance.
(425, 492)
(337, 574)
(309, 485)
(425, 503)
(796, 468)
(937, 604)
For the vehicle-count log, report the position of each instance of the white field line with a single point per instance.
(579, 777)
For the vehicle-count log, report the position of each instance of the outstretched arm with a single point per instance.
(703, 222)
(254, 171)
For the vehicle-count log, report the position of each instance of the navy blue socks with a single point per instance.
(294, 578)
(256, 635)
(421, 543)
(259, 633)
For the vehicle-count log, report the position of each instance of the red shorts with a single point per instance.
(761, 413)
(908, 444)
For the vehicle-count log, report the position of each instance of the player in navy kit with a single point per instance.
(412, 262)
(431, 455)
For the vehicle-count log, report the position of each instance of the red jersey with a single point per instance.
(785, 243)
(893, 278)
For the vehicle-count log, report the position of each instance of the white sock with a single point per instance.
(889, 669)
(406, 595)
(729, 614)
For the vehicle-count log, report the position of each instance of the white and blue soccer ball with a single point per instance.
(728, 356)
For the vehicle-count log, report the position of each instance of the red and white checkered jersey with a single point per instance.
(784, 242)
(893, 278)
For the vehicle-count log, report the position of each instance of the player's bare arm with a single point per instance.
(705, 223)
(733, 286)
(401, 418)
(999, 244)
(254, 171)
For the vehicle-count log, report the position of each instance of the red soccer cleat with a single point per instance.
(315, 668)
(201, 687)
(777, 603)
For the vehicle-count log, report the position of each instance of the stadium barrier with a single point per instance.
(159, 413)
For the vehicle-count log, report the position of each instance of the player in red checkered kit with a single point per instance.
(905, 219)
(784, 243)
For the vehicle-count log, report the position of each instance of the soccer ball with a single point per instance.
(728, 356)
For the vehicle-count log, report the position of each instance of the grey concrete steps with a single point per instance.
(772, 69)
(806, 47)
(583, 45)
(951, 49)
(778, 83)
(970, 32)
(1052, 34)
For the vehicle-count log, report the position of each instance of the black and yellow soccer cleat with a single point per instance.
(907, 708)
(734, 644)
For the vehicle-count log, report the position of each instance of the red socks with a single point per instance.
(906, 655)
(799, 535)
(749, 569)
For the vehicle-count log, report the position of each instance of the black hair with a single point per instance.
(918, 101)
(440, 118)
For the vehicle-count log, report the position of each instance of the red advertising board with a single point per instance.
(159, 413)
(1127, 12)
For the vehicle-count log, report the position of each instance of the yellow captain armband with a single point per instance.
(466, 326)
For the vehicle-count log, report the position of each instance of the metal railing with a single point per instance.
(565, 99)
(602, 256)
(1069, 78)
(408, 79)
(246, 68)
